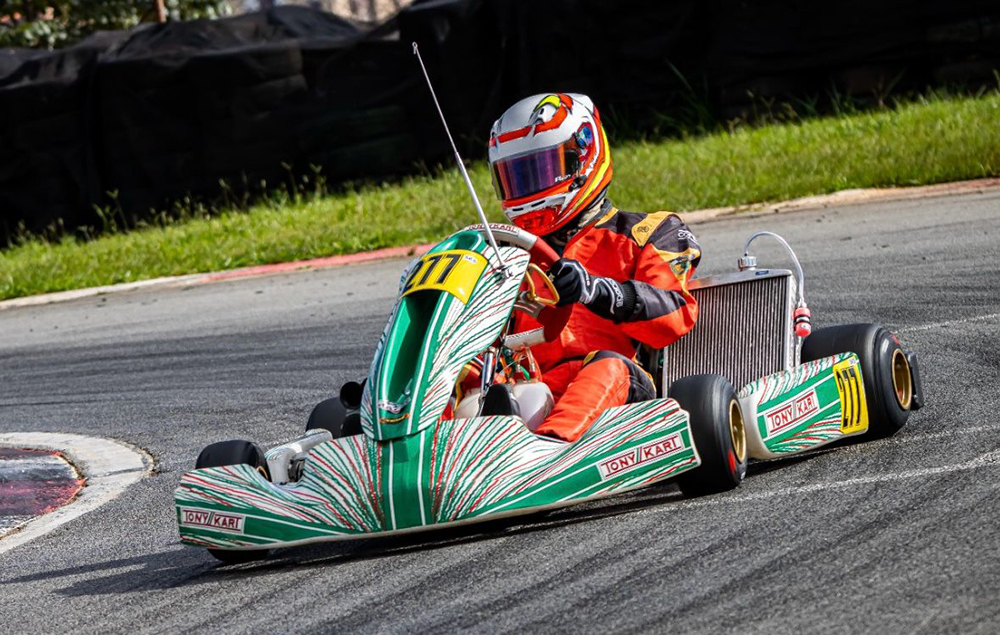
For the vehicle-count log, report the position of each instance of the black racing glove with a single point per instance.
(605, 297)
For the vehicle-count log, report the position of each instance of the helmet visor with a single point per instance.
(529, 174)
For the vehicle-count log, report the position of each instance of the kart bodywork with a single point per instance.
(458, 471)
(414, 468)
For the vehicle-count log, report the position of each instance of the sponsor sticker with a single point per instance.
(392, 406)
(640, 455)
(218, 521)
(684, 234)
(497, 226)
(789, 413)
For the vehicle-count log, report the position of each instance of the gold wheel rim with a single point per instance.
(902, 380)
(738, 431)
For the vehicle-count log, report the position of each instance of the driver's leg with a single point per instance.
(607, 379)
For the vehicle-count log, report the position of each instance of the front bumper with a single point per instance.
(456, 472)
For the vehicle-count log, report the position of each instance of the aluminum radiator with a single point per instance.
(744, 329)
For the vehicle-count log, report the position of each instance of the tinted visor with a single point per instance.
(529, 174)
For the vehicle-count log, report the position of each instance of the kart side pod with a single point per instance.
(852, 380)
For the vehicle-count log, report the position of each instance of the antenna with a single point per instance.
(461, 168)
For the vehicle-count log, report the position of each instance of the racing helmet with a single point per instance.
(550, 160)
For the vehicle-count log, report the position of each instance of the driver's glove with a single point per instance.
(605, 297)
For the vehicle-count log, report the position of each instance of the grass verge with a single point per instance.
(927, 141)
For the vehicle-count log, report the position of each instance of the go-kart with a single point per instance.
(415, 448)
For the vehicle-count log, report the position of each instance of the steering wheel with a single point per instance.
(541, 253)
(544, 310)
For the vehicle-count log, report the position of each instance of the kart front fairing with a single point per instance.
(436, 329)
(458, 471)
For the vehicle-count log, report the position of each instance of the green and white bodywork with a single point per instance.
(413, 470)
(803, 408)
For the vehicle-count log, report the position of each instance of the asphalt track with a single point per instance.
(894, 536)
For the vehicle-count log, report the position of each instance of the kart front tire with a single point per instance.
(885, 369)
(718, 430)
(234, 452)
(333, 416)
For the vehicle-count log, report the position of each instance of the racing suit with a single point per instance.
(591, 367)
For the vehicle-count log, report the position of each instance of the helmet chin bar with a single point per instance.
(533, 223)
(546, 211)
(578, 221)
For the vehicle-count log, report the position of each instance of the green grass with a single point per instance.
(927, 141)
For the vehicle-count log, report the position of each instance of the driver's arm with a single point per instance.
(664, 308)
(655, 306)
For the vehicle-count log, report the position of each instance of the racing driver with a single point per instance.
(625, 273)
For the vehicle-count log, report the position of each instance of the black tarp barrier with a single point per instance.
(167, 111)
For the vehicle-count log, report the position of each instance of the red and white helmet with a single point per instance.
(550, 160)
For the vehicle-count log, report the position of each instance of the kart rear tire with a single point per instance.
(889, 384)
(234, 452)
(719, 433)
(333, 416)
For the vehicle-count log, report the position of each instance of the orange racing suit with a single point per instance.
(591, 367)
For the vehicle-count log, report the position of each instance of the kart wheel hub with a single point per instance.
(737, 431)
(902, 380)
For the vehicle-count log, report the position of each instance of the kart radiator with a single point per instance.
(744, 329)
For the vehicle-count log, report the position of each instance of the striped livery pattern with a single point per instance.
(797, 409)
(450, 472)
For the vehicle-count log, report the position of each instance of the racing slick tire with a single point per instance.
(234, 453)
(330, 414)
(892, 388)
(339, 415)
(719, 432)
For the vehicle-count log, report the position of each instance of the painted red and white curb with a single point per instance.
(33, 483)
(220, 276)
(48, 479)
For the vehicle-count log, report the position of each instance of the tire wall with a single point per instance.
(166, 111)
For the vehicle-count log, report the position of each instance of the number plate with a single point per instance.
(454, 271)
(853, 406)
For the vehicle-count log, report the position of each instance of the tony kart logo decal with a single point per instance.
(393, 407)
(791, 412)
(219, 521)
(627, 461)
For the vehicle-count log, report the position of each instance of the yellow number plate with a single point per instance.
(455, 271)
(854, 409)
